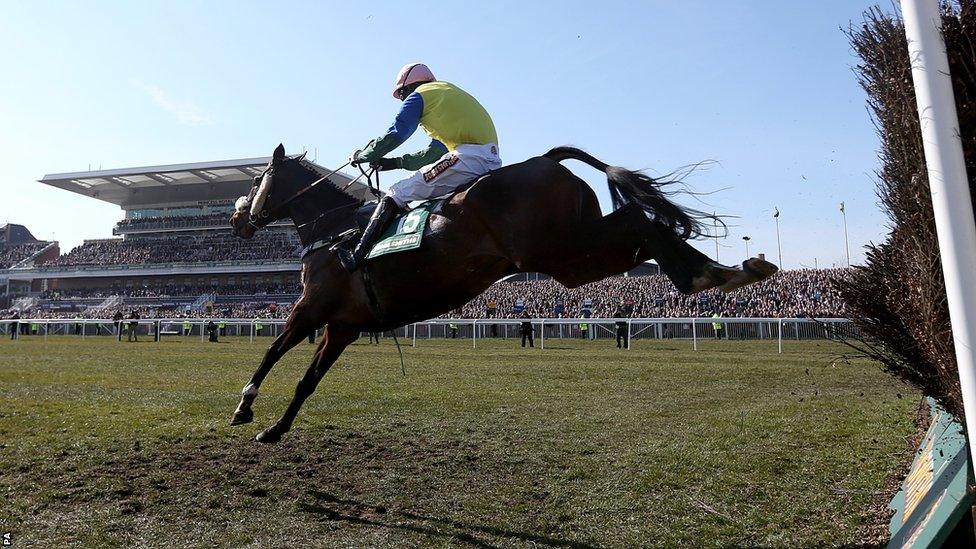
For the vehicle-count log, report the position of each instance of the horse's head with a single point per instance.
(268, 197)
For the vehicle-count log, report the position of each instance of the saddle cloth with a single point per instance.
(406, 232)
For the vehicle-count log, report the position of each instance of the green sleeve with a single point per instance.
(379, 147)
(420, 159)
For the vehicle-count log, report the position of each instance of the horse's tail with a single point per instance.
(631, 187)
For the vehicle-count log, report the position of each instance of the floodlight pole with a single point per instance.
(847, 245)
(951, 201)
(779, 245)
(715, 234)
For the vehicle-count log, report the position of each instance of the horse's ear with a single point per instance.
(301, 156)
(279, 153)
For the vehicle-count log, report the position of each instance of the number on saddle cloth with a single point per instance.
(406, 232)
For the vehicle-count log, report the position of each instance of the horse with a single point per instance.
(534, 216)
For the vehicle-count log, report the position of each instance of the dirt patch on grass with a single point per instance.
(340, 482)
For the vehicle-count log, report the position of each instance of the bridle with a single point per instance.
(372, 182)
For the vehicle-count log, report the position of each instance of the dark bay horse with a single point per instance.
(535, 216)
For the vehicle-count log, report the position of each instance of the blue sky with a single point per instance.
(766, 89)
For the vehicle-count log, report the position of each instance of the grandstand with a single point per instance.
(172, 251)
(19, 248)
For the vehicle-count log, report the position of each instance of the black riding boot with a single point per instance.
(385, 211)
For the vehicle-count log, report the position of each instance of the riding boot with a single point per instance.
(385, 211)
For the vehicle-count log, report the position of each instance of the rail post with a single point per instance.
(779, 335)
(542, 334)
(630, 332)
(694, 335)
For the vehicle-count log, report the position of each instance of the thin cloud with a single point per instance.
(185, 112)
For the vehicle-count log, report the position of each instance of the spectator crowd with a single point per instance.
(174, 290)
(788, 294)
(265, 246)
(219, 219)
(13, 255)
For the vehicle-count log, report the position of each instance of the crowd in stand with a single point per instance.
(266, 245)
(174, 222)
(12, 255)
(247, 310)
(170, 290)
(788, 294)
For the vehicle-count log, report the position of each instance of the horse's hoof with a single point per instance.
(713, 275)
(268, 436)
(753, 270)
(241, 417)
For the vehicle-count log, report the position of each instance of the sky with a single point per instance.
(765, 89)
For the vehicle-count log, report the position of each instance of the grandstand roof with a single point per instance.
(173, 183)
(12, 234)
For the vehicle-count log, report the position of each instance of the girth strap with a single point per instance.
(374, 304)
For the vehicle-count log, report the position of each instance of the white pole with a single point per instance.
(694, 334)
(715, 234)
(951, 199)
(630, 331)
(779, 246)
(847, 245)
(779, 335)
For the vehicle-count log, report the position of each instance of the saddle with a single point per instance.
(366, 210)
(405, 232)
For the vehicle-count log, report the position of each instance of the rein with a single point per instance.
(374, 189)
(316, 182)
(363, 173)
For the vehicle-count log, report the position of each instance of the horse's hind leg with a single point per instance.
(301, 322)
(624, 239)
(604, 246)
(334, 341)
(692, 271)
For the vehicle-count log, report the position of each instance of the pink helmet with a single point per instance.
(414, 73)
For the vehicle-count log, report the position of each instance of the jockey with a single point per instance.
(463, 146)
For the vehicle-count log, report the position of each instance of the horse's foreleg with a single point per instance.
(299, 325)
(333, 343)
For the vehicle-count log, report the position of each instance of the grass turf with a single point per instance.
(105, 443)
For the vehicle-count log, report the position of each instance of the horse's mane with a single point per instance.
(314, 172)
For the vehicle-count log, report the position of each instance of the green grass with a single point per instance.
(109, 444)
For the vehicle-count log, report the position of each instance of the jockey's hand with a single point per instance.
(354, 158)
(385, 164)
